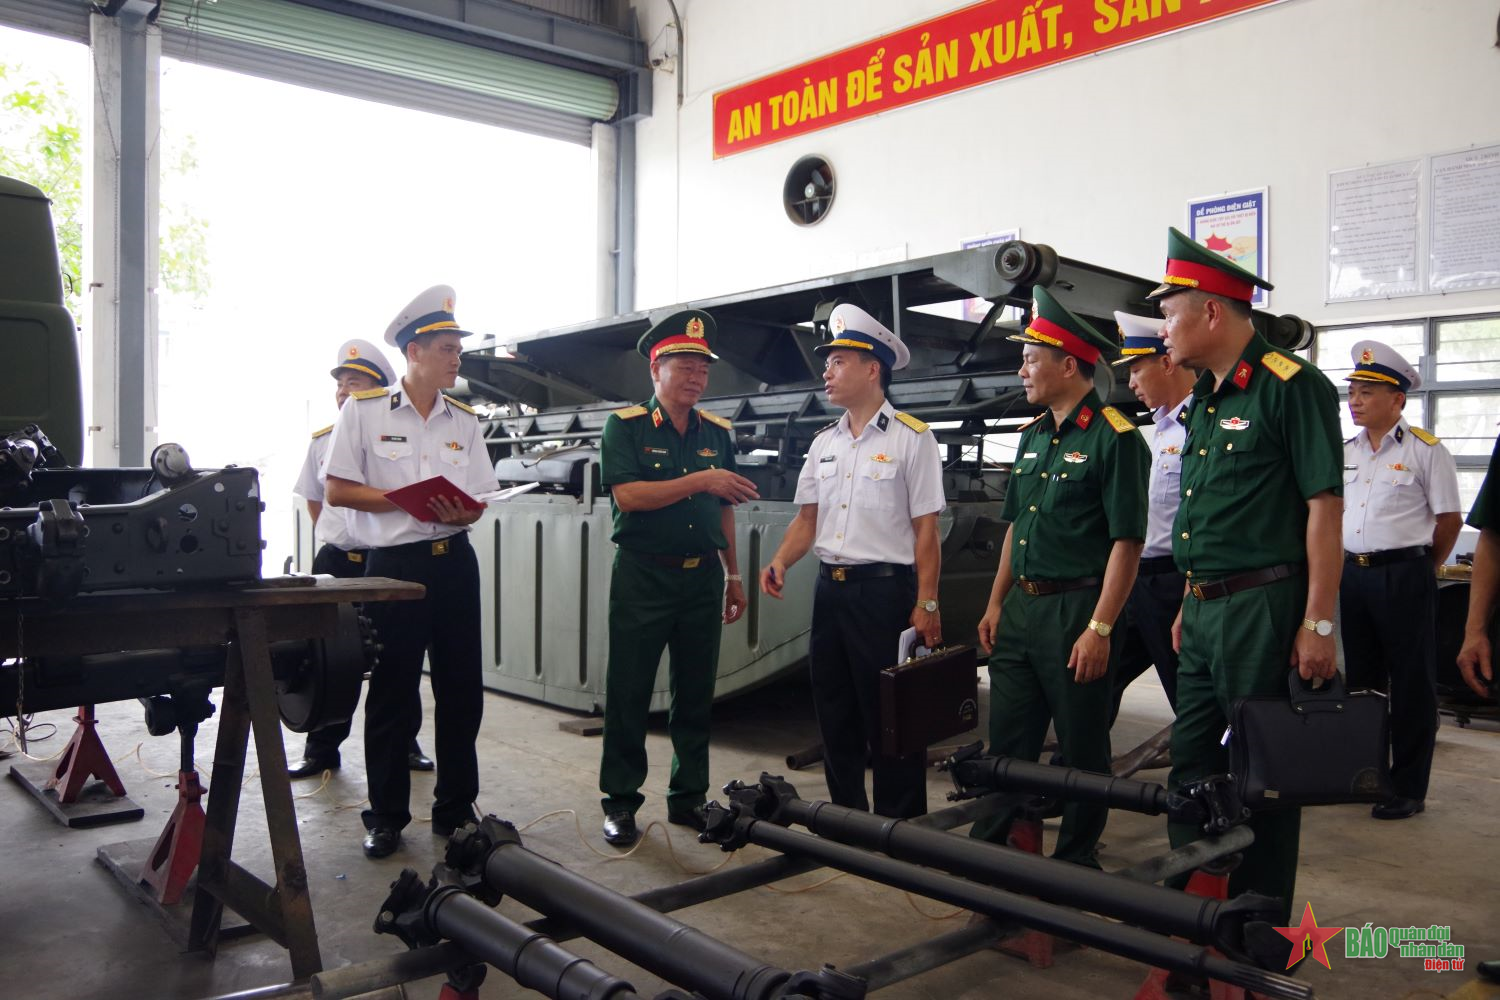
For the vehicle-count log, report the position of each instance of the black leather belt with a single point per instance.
(678, 562)
(1157, 565)
(1215, 589)
(1040, 588)
(433, 547)
(862, 571)
(1368, 559)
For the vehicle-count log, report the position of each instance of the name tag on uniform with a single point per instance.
(1029, 454)
(826, 458)
(393, 437)
(656, 451)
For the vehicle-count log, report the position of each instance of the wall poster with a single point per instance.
(1374, 231)
(1235, 226)
(1464, 245)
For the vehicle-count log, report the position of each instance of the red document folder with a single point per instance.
(413, 499)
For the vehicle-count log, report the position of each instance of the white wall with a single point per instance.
(1095, 157)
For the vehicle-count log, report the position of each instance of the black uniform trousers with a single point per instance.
(445, 626)
(856, 625)
(1388, 621)
(331, 560)
(1150, 610)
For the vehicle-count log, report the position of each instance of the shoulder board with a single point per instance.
(825, 428)
(462, 406)
(326, 430)
(631, 412)
(1281, 365)
(717, 420)
(911, 421)
(1353, 439)
(1032, 421)
(1424, 436)
(371, 393)
(1119, 421)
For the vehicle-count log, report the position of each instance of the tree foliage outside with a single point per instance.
(41, 143)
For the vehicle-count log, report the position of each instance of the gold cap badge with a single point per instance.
(353, 352)
(695, 327)
(1367, 356)
(837, 325)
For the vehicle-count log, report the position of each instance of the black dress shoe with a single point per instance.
(444, 827)
(1398, 809)
(309, 766)
(416, 760)
(693, 817)
(382, 842)
(619, 829)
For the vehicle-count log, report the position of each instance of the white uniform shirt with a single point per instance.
(333, 522)
(383, 442)
(868, 489)
(1165, 491)
(1393, 494)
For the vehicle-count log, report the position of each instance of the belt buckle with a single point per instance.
(440, 547)
(1362, 559)
(840, 574)
(356, 557)
(1029, 587)
(1197, 590)
(692, 562)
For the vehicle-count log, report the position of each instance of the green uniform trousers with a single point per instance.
(1232, 647)
(651, 608)
(1030, 685)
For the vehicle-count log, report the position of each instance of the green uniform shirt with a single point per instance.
(641, 445)
(1486, 512)
(1258, 448)
(1074, 490)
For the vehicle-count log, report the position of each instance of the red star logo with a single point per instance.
(1308, 939)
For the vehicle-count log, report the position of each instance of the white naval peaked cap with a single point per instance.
(1377, 362)
(852, 328)
(367, 359)
(429, 312)
(1141, 337)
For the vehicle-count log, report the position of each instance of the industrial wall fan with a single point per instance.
(807, 194)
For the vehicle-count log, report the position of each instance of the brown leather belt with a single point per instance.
(678, 562)
(1215, 589)
(1368, 559)
(1040, 588)
(862, 571)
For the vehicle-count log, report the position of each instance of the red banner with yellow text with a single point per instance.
(988, 41)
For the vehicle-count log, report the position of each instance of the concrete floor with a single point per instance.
(69, 930)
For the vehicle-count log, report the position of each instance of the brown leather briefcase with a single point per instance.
(927, 699)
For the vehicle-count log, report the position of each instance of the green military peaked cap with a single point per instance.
(1191, 265)
(690, 331)
(1055, 326)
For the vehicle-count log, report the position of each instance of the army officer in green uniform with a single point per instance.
(1077, 511)
(1258, 532)
(670, 468)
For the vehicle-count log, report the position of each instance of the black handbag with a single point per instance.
(1318, 747)
(927, 699)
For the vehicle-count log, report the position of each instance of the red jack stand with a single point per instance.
(1211, 885)
(1037, 947)
(175, 857)
(83, 758)
(63, 788)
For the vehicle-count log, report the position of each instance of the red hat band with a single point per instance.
(1045, 330)
(682, 343)
(1207, 279)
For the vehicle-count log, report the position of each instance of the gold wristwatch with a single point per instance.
(1103, 628)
